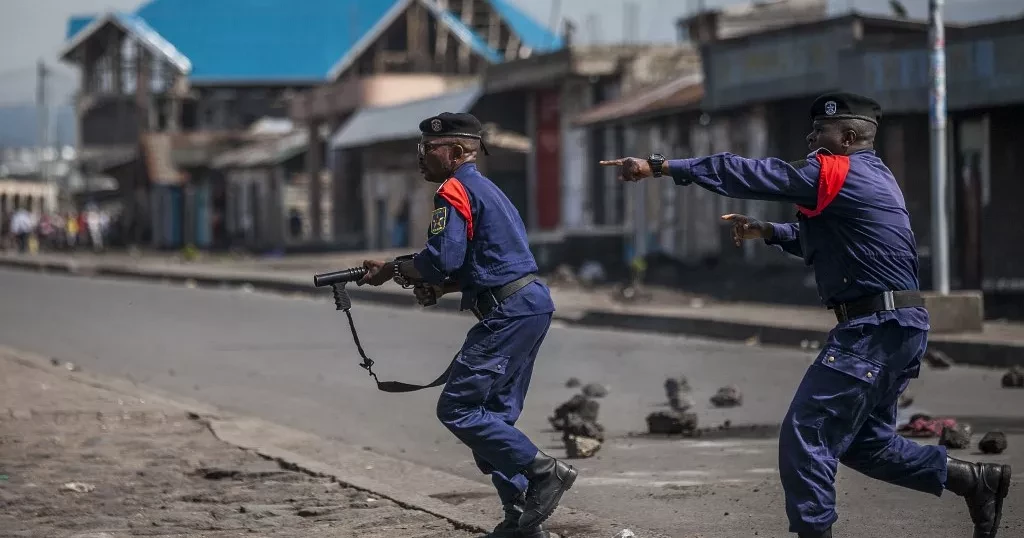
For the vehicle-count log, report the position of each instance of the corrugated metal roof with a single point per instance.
(400, 122)
(264, 153)
(302, 41)
(531, 33)
(464, 33)
(136, 27)
(679, 93)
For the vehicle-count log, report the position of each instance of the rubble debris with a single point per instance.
(921, 426)
(625, 533)
(78, 487)
(728, 396)
(578, 405)
(572, 383)
(1014, 379)
(671, 423)
(956, 437)
(674, 386)
(595, 390)
(906, 400)
(577, 420)
(937, 359)
(71, 367)
(681, 403)
(576, 425)
(578, 446)
(993, 443)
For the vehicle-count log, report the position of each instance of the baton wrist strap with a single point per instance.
(392, 386)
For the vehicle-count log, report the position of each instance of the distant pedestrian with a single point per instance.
(21, 227)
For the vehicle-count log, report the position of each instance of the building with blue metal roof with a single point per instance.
(234, 41)
(169, 86)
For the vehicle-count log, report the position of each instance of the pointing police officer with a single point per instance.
(476, 244)
(854, 229)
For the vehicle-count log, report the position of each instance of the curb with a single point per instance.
(351, 466)
(965, 352)
(233, 430)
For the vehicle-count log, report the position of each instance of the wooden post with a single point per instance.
(464, 51)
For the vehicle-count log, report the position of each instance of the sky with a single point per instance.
(34, 29)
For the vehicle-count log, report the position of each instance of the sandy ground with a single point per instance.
(81, 461)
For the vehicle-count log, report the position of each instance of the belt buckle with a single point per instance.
(888, 300)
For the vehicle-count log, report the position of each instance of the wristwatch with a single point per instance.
(656, 161)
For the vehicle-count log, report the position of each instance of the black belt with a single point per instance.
(485, 302)
(885, 301)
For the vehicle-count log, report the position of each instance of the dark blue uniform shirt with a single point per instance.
(477, 237)
(853, 226)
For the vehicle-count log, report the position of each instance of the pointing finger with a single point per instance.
(613, 162)
(730, 216)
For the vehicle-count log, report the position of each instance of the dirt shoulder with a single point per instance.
(82, 461)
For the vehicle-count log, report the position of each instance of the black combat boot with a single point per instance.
(825, 534)
(549, 479)
(509, 527)
(983, 486)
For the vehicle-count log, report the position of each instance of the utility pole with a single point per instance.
(42, 108)
(937, 113)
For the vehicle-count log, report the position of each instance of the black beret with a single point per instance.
(459, 125)
(842, 105)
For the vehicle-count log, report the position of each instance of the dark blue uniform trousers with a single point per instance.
(845, 411)
(485, 393)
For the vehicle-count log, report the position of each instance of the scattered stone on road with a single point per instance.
(577, 446)
(595, 390)
(86, 461)
(729, 396)
(672, 423)
(675, 390)
(993, 443)
(576, 425)
(957, 437)
(577, 420)
(1014, 379)
(937, 359)
(572, 383)
(578, 405)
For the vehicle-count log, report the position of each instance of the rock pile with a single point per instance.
(957, 437)
(728, 396)
(672, 423)
(993, 443)
(577, 420)
(1014, 379)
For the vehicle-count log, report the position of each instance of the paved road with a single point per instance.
(290, 360)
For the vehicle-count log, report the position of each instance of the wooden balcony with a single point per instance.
(347, 96)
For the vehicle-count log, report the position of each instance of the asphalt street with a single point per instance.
(290, 360)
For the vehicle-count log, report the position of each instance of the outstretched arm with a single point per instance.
(801, 182)
(755, 179)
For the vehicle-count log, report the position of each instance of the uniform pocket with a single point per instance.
(474, 376)
(850, 364)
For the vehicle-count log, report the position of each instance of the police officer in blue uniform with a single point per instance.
(854, 229)
(477, 244)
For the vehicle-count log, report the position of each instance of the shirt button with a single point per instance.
(845, 280)
(869, 374)
(831, 359)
